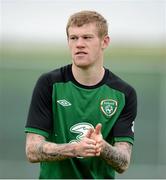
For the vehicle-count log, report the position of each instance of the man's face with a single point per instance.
(85, 45)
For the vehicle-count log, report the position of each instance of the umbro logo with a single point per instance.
(64, 102)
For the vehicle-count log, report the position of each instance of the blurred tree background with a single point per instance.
(33, 41)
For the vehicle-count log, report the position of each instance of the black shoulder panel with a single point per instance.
(124, 125)
(40, 111)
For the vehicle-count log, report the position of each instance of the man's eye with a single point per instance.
(73, 38)
(87, 37)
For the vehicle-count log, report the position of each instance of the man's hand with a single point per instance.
(98, 138)
(87, 146)
(91, 144)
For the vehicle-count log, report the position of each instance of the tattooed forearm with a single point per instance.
(117, 156)
(44, 152)
(54, 152)
(37, 149)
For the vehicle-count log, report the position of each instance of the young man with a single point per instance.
(81, 117)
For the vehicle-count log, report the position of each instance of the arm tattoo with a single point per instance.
(38, 149)
(49, 153)
(54, 152)
(117, 156)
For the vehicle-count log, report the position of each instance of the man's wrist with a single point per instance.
(104, 145)
(73, 148)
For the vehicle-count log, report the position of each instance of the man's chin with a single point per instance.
(82, 65)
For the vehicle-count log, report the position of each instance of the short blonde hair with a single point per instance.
(85, 17)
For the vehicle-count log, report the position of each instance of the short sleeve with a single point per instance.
(40, 112)
(123, 130)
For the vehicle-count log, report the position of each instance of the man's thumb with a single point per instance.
(98, 128)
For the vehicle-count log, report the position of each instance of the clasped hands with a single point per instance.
(91, 144)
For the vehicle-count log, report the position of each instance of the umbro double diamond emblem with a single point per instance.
(64, 102)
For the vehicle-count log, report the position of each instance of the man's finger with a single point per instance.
(89, 133)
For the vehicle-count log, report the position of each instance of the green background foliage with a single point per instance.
(143, 67)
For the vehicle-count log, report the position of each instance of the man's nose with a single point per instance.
(80, 43)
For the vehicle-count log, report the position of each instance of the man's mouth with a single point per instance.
(81, 53)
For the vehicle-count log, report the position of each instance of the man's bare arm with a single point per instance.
(38, 149)
(118, 156)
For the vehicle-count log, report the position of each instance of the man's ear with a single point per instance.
(105, 42)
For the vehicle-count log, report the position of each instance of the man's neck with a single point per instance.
(88, 76)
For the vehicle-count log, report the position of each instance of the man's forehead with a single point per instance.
(85, 29)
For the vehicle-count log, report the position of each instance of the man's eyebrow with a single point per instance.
(81, 35)
(88, 35)
(72, 35)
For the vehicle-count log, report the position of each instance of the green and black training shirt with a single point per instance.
(62, 110)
